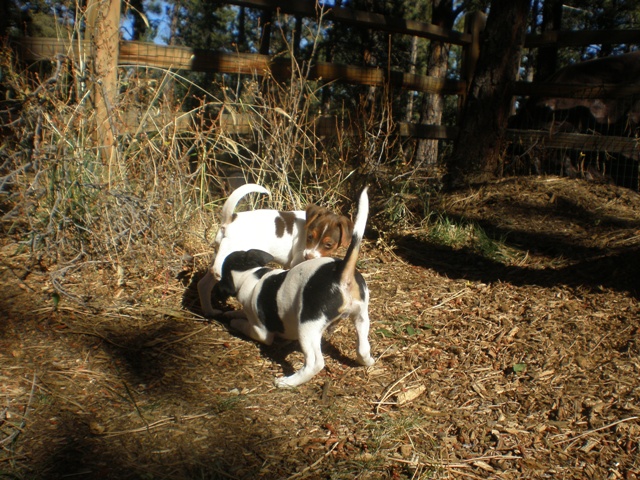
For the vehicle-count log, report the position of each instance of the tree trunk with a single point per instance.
(265, 39)
(297, 37)
(242, 27)
(437, 62)
(175, 21)
(477, 152)
(139, 26)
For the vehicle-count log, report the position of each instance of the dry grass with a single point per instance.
(157, 198)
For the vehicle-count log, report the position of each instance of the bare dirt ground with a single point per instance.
(525, 367)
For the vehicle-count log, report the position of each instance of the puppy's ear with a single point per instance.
(226, 287)
(258, 257)
(240, 261)
(313, 212)
(346, 231)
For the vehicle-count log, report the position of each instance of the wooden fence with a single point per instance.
(171, 57)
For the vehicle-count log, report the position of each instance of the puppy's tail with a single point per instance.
(347, 275)
(232, 201)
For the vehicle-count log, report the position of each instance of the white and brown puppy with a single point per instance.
(299, 304)
(290, 237)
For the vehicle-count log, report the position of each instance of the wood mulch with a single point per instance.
(526, 365)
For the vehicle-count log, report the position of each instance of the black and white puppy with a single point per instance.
(299, 304)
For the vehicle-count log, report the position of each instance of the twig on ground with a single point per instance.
(316, 463)
(452, 297)
(154, 425)
(11, 438)
(590, 432)
(388, 392)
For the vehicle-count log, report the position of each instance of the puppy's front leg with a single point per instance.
(361, 322)
(205, 286)
(235, 314)
(310, 342)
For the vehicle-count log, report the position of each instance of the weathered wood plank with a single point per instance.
(378, 77)
(540, 89)
(566, 38)
(330, 126)
(44, 48)
(577, 141)
(139, 53)
(375, 21)
(184, 58)
(437, 132)
(135, 121)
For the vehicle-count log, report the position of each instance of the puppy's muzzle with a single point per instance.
(311, 254)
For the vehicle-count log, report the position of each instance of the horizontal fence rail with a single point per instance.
(572, 90)
(565, 38)
(349, 16)
(185, 58)
(627, 146)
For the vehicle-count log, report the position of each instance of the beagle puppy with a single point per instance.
(301, 303)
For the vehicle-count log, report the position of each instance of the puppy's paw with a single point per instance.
(367, 362)
(235, 314)
(282, 383)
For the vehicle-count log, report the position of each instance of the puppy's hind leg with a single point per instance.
(252, 329)
(361, 322)
(310, 342)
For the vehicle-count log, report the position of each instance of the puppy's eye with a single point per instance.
(328, 246)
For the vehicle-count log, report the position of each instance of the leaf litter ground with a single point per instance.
(523, 367)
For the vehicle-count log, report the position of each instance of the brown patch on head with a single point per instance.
(313, 211)
(284, 223)
(327, 231)
(346, 230)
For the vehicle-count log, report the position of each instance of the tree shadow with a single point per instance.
(233, 446)
(151, 357)
(590, 267)
(561, 230)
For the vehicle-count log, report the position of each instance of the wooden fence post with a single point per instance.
(103, 33)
